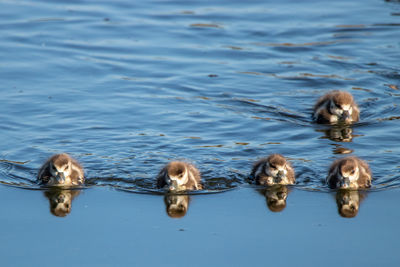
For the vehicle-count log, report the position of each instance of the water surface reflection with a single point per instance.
(348, 202)
(60, 200)
(275, 197)
(338, 133)
(176, 205)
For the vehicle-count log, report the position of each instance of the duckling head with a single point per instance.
(60, 169)
(341, 105)
(348, 173)
(276, 167)
(177, 175)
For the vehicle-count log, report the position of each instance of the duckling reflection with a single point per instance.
(61, 170)
(276, 197)
(339, 133)
(61, 201)
(348, 202)
(335, 107)
(176, 205)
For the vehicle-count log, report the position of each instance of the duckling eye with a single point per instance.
(352, 172)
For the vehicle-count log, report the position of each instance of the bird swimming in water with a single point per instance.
(179, 176)
(336, 106)
(349, 173)
(272, 170)
(61, 170)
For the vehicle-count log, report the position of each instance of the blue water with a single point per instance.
(125, 87)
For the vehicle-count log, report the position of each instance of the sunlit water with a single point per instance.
(127, 86)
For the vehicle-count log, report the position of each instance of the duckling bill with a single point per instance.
(273, 170)
(349, 173)
(179, 176)
(61, 170)
(336, 106)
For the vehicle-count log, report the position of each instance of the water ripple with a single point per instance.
(126, 87)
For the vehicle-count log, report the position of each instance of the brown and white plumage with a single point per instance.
(272, 170)
(349, 172)
(61, 170)
(179, 176)
(336, 106)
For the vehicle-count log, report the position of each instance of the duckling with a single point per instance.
(179, 175)
(272, 170)
(176, 205)
(61, 170)
(336, 106)
(349, 172)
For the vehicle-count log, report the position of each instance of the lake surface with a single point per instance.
(125, 87)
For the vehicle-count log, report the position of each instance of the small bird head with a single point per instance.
(348, 173)
(177, 175)
(341, 105)
(276, 167)
(60, 168)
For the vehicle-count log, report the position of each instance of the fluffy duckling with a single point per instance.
(179, 176)
(336, 106)
(272, 170)
(61, 170)
(349, 172)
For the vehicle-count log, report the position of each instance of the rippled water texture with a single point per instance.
(126, 86)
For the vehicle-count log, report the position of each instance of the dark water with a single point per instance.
(127, 86)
